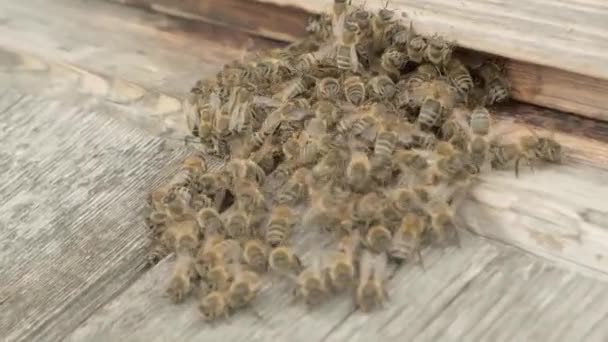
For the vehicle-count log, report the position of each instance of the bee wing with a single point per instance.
(266, 101)
(380, 267)
(338, 26)
(366, 266)
(354, 60)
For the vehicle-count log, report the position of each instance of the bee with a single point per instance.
(411, 161)
(480, 121)
(158, 251)
(371, 292)
(381, 87)
(424, 140)
(459, 76)
(354, 90)
(424, 73)
(156, 221)
(211, 183)
(365, 209)
(436, 105)
(255, 255)
(306, 62)
(215, 251)
(358, 171)
(392, 60)
(294, 87)
(200, 201)
(416, 46)
(238, 224)
(537, 147)
(438, 51)
(442, 224)
(182, 278)
(346, 53)
(450, 163)
(479, 155)
(296, 188)
(341, 269)
(246, 169)
(328, 88)
(311, 284)
(283, 260)
(496, 86)
(183, 236)
(210, 220)
(399, 202)
(238, 108)
(207, 112)
(379, 23)
(243, 289)
(327, 112)
(384, 146)
(456, 132)
(213, 306)
(279, 226)
(378, 238)
(249, 197)
(219, 277)
(407, 239)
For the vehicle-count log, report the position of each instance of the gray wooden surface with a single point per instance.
(481, 292)
(78, 147)
(71, 235)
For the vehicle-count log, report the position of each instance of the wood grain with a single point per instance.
(544, 80)
(481, 291)
(71, 230)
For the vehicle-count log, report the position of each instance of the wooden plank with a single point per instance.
(539, 80)
(561, 34)
(154, 51)
(71, 233)
(145, 305)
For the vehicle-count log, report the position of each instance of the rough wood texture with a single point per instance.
(149, 81)
(552, 80)
(71, 226)
(476, 293)
(569, 35)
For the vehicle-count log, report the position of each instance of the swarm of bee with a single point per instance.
(365, 131)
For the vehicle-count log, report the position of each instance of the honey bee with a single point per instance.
(496, 86)
(255, 255)
(381, 87)
(219, 277)
(246, 169)
(156, 221)
(213, 306)
(358, 171)
(438, 51)
(283, 260)
(210, 220)
(182, 278)
(456, 132)
(238, 224)
(480, 121)
(379, 23)
(365, 209)
(341, 269)
(384, 146)
(459, 76)
(436, 105)
(158, 251)
(407, 239)
(243, 289)
(392, 60)
(450, 163)
(424, 140)
(442, 224)
(207, 112)
(249, 197)
(211, 183)
(200, 201)
(294, 87)
(346, 52)
(296, 188)
(378, 238)
(238, 108)
(414, 161)
(416, 46)
(354, 90)
(544, 148)
(371, 292)
(183, 236)
(424, 73)
(399, 202)
(327, 112)
(311, 284)
(503, 154)
(328, 88)
(279, 226)
(215, 251)
(479, 155)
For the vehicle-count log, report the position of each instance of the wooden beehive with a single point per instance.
(115, 77)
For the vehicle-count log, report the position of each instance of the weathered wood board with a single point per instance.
(479, 292)
(72, 185)
(539, 72)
